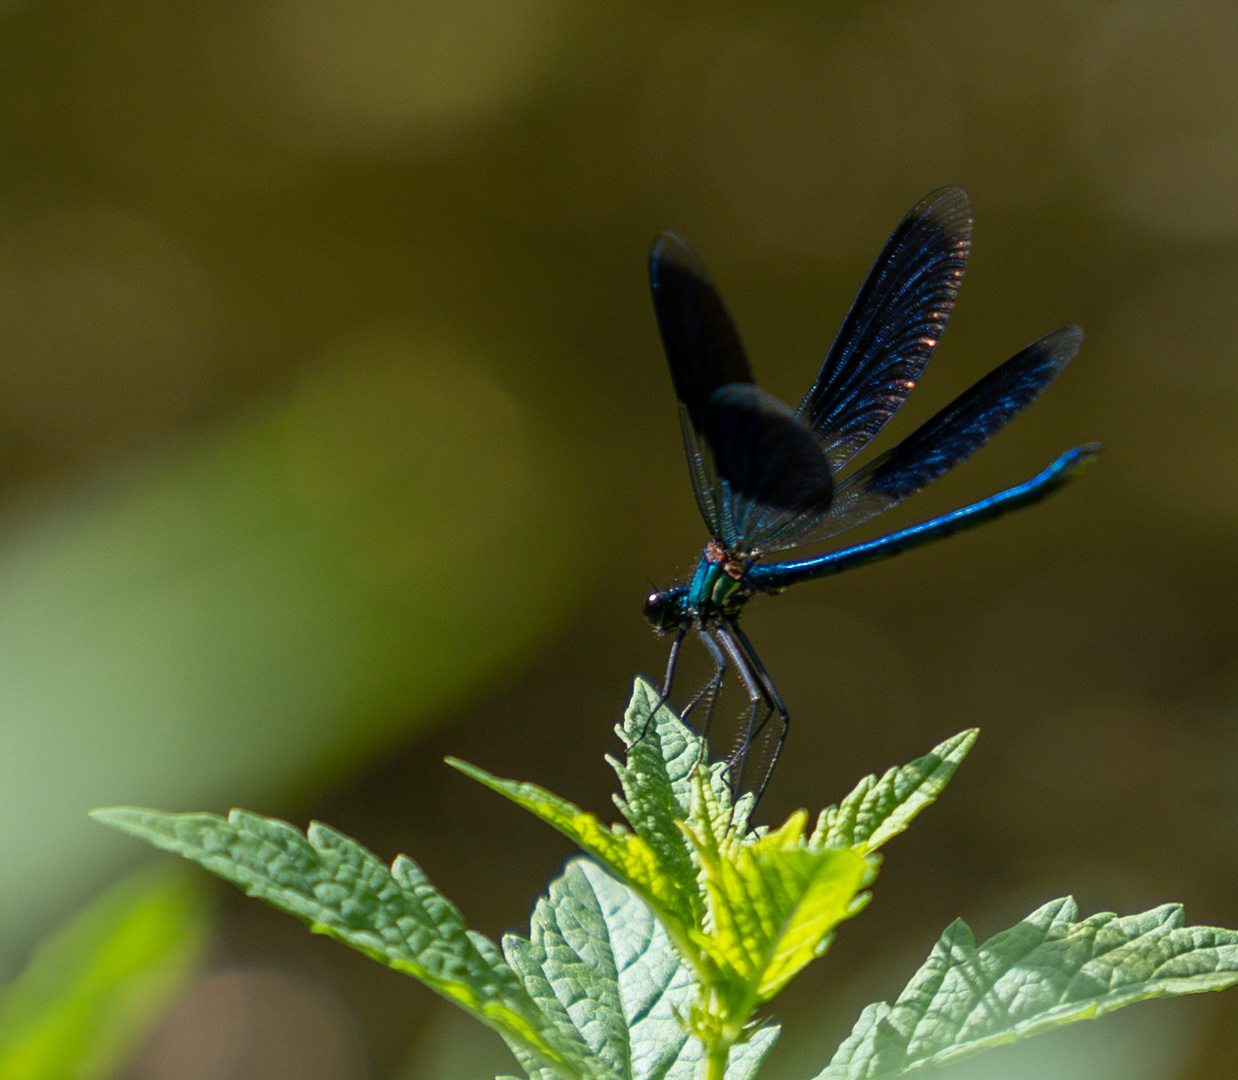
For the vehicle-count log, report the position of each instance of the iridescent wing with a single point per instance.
(938, 445)
(701, 342)
(760, 452)
(895, 322)
(703, 350)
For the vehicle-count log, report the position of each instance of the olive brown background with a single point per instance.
(335, 436)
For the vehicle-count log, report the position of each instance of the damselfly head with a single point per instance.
(658, 610)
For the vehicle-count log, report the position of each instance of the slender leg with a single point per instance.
(671, 661)
(709, 691)
(758, 699)
(769, 693)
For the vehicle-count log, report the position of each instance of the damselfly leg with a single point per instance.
(765, 703)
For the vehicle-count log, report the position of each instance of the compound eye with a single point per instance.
(655, 607)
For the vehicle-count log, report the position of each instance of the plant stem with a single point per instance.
(714, 1065)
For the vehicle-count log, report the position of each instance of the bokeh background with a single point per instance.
(335, 436)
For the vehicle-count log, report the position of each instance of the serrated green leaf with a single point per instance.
(1048, 970)
(662, 755)
(93, 990)
(773, 904)
(598, 952)
(664, 759)
(747, 910)
(627, 855)
(878, 810)
(391, 914)
(746, 1057)
(567, 965)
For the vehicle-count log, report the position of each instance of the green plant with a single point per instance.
(654, 958)
(95, 988)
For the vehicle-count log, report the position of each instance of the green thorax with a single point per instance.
(718, 587)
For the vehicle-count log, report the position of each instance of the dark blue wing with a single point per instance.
(701, 342)
(704, 352)
(938, 445)
(761, 452)
(765, 453)
(896, 320)
(704, 481)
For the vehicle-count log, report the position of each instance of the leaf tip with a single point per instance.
(473, 772)
(118, 817)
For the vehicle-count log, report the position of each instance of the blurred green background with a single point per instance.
(335, 436)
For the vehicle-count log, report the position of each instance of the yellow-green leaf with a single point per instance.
(878, 810)
(772, 905)
(628, 856)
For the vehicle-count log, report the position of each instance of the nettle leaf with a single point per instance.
(664, 760)
(878, 810)
(96, 987)
(597, 959)
(747, 910)
(662, 756)
(628, 855)
(773, 902)
(391, 914)
(1048, 970)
